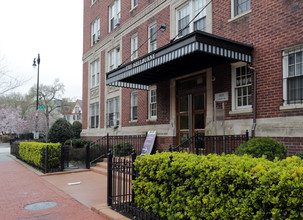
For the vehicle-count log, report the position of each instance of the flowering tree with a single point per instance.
(11, 121)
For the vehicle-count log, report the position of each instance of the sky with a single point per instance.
(54, 29)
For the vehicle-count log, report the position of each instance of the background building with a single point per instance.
(180, 67)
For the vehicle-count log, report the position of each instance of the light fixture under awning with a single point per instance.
(195, 51)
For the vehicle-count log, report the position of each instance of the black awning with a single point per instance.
(196, 51)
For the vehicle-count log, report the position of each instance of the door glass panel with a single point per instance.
(184, 104)
(199, 102)
(199, 121)
(183, 137)
(183, 122)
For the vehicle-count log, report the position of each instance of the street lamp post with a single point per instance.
(37, 102)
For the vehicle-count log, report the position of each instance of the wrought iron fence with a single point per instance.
(120, 196)
(204, 145)
(98, 149)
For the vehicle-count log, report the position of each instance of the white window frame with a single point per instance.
(192, 11)
(113, 111)
(95, 31)
(94, 115)
(134, 106)
(95, 73)
(234, 12)
(297, 73)
(152, 43)
(113, 59)
(114, 12)
(152, 103)
(235, 106)
(134, 3)
(134, 47)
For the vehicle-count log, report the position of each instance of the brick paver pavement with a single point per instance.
(20, 187)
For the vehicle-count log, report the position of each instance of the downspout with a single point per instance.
(253, 128)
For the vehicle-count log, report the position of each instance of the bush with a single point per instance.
(60, 131)
(77, 128)
(6, 138)
(122, 149)
(300, 154)
(78, 143)
(219, 187)
(33, 153)
(257, 147)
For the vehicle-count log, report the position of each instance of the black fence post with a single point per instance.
(170, 149)
(109, 179)
(107, 143)
(197, 142)
(87, 156)
(247, 135)
(46, 160)
(134, 174)
(62, 157)
(169, 175)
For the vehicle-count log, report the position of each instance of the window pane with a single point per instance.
(298, 57)
(184, 104)
(199, 121)
(183, 137)
(200, 25)
(299, 69)
(291, 59)
(291, 70)
(183, 122)
(199, 102)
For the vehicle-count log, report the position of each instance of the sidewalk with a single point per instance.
(21, 187)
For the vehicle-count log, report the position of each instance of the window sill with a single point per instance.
(291, 107)
(151, 120)
(240, 16)
(241, 111)
(132, 9)
(133, 121)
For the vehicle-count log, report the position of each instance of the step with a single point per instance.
(99, 170)
(102, 165)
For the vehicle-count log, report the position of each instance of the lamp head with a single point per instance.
(34, 63)
(163, 27)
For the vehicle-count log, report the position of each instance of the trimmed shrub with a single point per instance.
(77, 128)
(60, 131)
(219, 187)
(257, 147)
(78, 143)
(33, 153)
(122, 149)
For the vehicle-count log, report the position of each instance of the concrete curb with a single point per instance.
(107, 213)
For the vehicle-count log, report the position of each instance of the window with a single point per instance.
(134, 3)
(114, 14)
(113, 112)
(240, 6)
(113, 59)
(293, 76)
(152, 103)
(152, 37)
(134, 106)
(134, 47)
(194, 9)
(95, 31)
(242, 97)
(94, 115)
(95, 73)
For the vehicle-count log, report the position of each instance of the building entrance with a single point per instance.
(191, 107)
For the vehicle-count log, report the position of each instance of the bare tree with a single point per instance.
(48, 94)
(8, 82)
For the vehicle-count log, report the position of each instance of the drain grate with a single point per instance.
(40, 205)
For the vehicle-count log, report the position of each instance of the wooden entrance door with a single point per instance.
(191, 109)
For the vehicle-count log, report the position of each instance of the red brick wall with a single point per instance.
(270, 27)
(84, 95)
(100, 9)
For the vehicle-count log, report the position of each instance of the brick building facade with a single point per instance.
(162, 64)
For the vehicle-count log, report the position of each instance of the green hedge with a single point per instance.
(32, 152)
(123, 149)
(219, 187)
